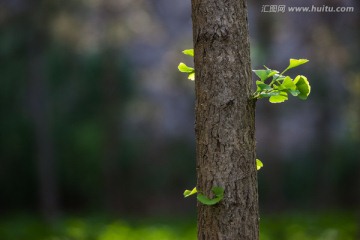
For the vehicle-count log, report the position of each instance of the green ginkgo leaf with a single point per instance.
(262, 86)
(296, 62)
(191, 76)
(303, 86)
(188, 193)
(288, 84)
(219, 195)
(294, 92)
(189, 52)
(282, 97)
(259, 164)
(183, 68)
(269, 94)
(265, 74)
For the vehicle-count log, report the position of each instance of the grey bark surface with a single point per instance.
(225, 120)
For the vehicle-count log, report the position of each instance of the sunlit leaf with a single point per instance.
(288, 84)
(188, 193)
(191, 76)
(183, 68)
(189, 52)
(302, 84)
(265, 74)
(296, 62)
(282, 97)
(259, 164)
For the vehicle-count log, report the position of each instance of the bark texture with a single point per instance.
(225, 120)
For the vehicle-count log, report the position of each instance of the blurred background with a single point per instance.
(97, 124)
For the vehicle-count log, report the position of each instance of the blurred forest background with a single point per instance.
(95, 119)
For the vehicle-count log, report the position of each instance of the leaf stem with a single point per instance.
(274, 80)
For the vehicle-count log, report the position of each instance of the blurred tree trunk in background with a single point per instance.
(324, 190)
(40, 109)
(40, 113)
(225, 120)
(111, 108)
(111, 121)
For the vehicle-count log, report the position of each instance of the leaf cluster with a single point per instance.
(186, 69)
(277, 86)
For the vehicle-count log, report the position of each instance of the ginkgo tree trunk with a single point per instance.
(225, 120)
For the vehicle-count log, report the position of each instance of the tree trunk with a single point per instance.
(225, 120)
(39, 100)
(111, 121)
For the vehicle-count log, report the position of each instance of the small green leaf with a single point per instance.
(262, 74)
(302, 84)
(219, 195)
(259, 164)
(288, 83)
(282, 97)
(269, 94)
(204, 200)
(189, 52)
(188, 193)
(183, 68)
(296, 62)
(262, 86)
(265, 74)
(191, 76)
(294, 92)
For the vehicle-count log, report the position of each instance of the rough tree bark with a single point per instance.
(225, 120)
